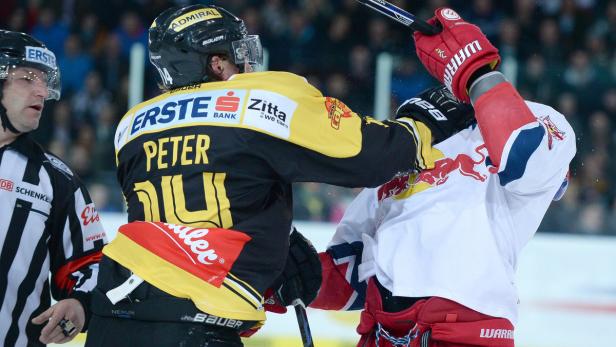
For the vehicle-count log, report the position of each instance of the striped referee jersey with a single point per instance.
(48, 225)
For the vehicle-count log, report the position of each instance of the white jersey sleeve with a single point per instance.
(536, 157)
(359, 218)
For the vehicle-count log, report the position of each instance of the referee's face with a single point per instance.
(23, 96)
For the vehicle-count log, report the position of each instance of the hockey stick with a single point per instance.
(302, 321)
(401, 16)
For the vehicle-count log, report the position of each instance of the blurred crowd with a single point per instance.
(559, 52)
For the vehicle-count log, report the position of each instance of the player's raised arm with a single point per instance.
(518, 139)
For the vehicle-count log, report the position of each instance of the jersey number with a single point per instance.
(217, 213)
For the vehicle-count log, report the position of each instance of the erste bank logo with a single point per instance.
(215, 106)
(42, 56)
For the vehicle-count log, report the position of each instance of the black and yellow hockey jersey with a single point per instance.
(224, 155)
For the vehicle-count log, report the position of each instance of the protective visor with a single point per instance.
(37, 58)
(248, 50)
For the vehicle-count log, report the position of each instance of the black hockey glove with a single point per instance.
(439, 110)
(301, 277)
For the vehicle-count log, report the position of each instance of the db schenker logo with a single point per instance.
(6, 185)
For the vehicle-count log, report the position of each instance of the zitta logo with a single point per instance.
(459, 59)
(41, 55)
(268, 110)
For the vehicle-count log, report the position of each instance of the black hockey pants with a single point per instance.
(149, 317)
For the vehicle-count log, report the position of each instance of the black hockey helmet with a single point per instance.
(183, 40)
(22, 50)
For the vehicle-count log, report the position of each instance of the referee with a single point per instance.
(48, 223)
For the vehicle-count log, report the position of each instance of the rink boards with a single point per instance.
(567, 287)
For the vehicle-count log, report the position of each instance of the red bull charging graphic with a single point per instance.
(403, 186)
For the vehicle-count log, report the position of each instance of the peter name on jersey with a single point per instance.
(176, 150)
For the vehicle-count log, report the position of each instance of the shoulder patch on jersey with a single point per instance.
(58, 164)
(553, 132)
(336, 110)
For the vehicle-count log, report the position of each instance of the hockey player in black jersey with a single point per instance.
(48, 223)
(206, 169)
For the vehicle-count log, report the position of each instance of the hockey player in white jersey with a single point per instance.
(431, 257)
(438, 250)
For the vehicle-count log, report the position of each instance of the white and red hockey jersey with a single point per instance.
(455, 231)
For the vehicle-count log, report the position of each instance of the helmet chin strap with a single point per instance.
(6, 123)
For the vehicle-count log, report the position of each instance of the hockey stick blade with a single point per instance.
(401, 16)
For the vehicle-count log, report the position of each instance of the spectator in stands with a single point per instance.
(52, 32)
(508, 42)
(484, 14)
(581, 78)
(111, 65)
(89, 101)
(131, 31)
(74, 64)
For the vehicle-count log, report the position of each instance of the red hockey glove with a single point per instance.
(456, 53)
(273, 302)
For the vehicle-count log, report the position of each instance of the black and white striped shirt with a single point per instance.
(48, 224)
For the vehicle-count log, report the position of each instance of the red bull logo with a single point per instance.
(463, 163)
(396, 186)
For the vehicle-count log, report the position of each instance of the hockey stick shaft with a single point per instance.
(304, 327)
(401, 16)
